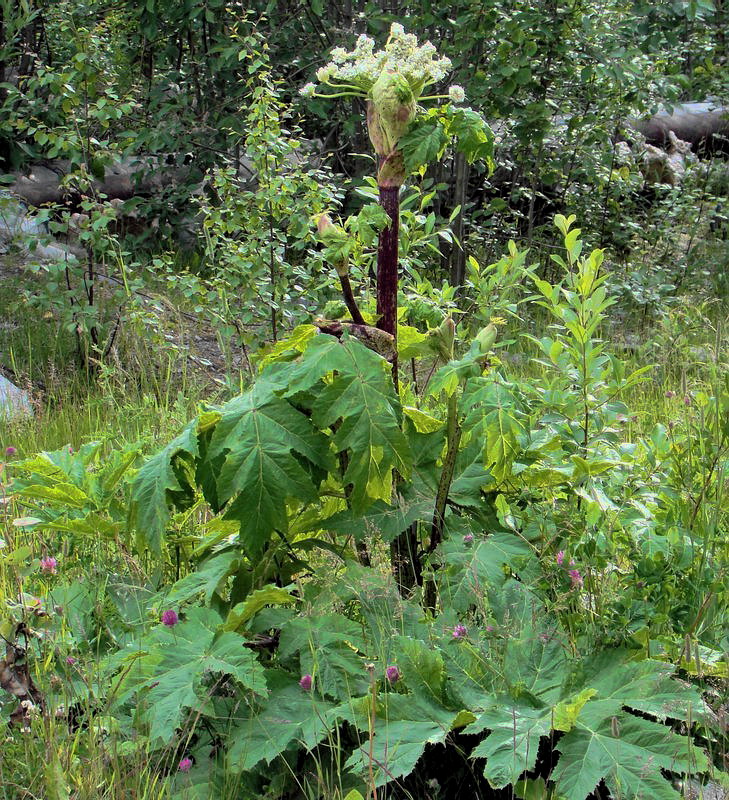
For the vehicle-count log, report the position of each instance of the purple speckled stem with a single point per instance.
(387, 272)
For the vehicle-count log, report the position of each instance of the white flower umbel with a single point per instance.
(456, 93)
(357, 71)
(393, 82)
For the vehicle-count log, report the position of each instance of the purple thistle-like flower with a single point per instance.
(490, 629)
(306, 682)
(460, 631)
(185, 764)
(49, 564)
(70, 660)
(576, 578)
(10, 451)
(393, 674)
(170, 618)
(560, 558)
(468, 538)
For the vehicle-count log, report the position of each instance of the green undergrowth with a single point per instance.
(222, 619)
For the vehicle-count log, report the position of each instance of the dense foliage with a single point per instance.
(428, 538)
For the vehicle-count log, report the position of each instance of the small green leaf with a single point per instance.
(567, 711)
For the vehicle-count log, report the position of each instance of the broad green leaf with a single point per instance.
(404, 724)
(295, 342)
(183, 659)
(331, 648)
(361, 401)
(411, 343)
(257, 437)
(567, 711)
(451, 375)
(422, 144)
(206, 578)
(371, 219)
(626, 752)
(422, 668)
(154, 485)
(474, 137)
(94, 524)
(494, 412)
(63, 493)
(77, 603)
(266, 596)
(380, 518)
(424, 423)
(645, 686)
(290, 715)
(513, 742)
(471, 571)
(532, 789)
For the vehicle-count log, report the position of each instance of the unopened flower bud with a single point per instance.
(486, 338)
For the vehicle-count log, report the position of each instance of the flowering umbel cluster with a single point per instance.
(358, 71)
(393, 81)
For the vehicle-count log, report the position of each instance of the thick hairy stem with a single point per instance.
(444, 487)
(387, 272)
(404, 555)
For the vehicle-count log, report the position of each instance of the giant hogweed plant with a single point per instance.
(511, 498)
(280, 659)
(322, 451)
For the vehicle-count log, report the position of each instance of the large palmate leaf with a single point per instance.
(183, 664)
(206, 579)
(628, 754)
(471, 571)
(423, 143)
(404, 725)
(513, 742)
(382, 519)
(587, 701)
(258, 436)
(332, 649)
(291, 715)
(157, 483)
(361, 403)
(422, 667)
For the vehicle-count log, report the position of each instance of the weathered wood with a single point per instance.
(705, 126)
(41, 185)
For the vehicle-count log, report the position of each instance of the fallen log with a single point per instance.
(705, 126)
(43, 184)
